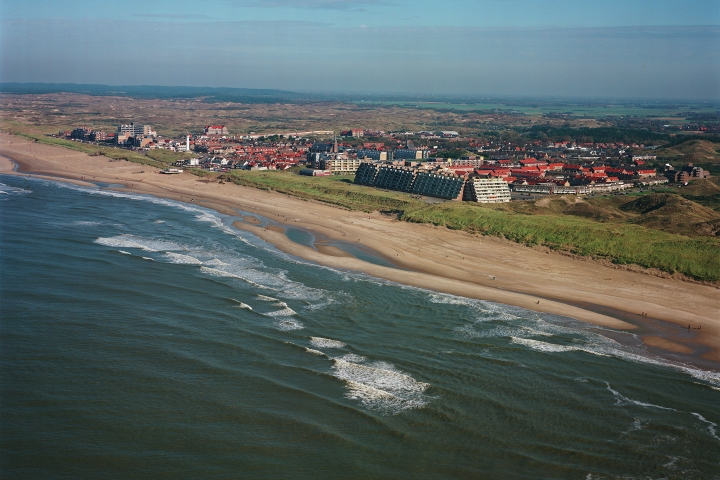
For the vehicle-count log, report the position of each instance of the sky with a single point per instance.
(562, 48)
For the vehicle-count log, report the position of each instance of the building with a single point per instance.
(339, 164)
(468, 162)
(393, 177)
(435, 184)
(408, 154)
(80, 133)
(216, 130)
(366, 173)
(687, 173)
(135, 130)
(98, 136)
(372, 154)
(315, 173)
(486, 190)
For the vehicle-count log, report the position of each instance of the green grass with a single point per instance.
(698, 258)
(335, 190)
(621, 243)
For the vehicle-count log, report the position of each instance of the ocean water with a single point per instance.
(145, 338)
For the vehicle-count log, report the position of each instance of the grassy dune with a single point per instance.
(336, 190)
(623, 243)
(620, 243)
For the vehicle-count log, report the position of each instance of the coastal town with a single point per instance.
(444, 165)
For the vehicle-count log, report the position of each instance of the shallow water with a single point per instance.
(146, 338)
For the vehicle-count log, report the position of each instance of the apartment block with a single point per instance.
(487, 190)
(340, 164)
(438, 185)
(366, 173)
(392, 177)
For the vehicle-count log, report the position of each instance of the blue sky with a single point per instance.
(612, 48)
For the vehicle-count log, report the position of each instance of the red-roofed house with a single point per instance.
(532, 162)
(216, 130)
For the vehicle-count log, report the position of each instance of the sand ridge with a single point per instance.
(431, 257)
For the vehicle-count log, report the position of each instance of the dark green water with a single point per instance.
(143, 338)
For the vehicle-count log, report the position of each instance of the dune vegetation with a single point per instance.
(637, 234)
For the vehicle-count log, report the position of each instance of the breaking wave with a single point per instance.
(711, 425)
(289, 325)
(320, 342)
(380, 387)
(132, 241)
(182, 259)
(8, 190)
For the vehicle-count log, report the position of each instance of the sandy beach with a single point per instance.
(658, 309)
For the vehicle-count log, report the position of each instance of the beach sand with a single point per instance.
(427, 256)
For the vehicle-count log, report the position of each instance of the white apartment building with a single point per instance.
(487, 190)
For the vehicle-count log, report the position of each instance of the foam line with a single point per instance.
(620, 398)
(315, 352)
(711, 425)
(266, 299)
(241, 304)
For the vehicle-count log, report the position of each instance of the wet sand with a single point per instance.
(429, 257)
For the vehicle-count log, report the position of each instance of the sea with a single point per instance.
(147, 338)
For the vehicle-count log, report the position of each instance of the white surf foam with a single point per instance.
(289, 325)
(241, 304)
(488, 310)
(352, 357)
(132, 241)
(285, 312)
(589, 342)
(124, 252)
(543, 346)
(621, 399)
(83, 223)
(216, 263)
(8, 190)
(216, 272)
(148, 258)
(320, 342)
(181, 259)
(219, 273)
(711, 425)
(315, 352)
(266, 299)
(380, 387)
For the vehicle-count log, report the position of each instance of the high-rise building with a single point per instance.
(133, 129)
(487, 190)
